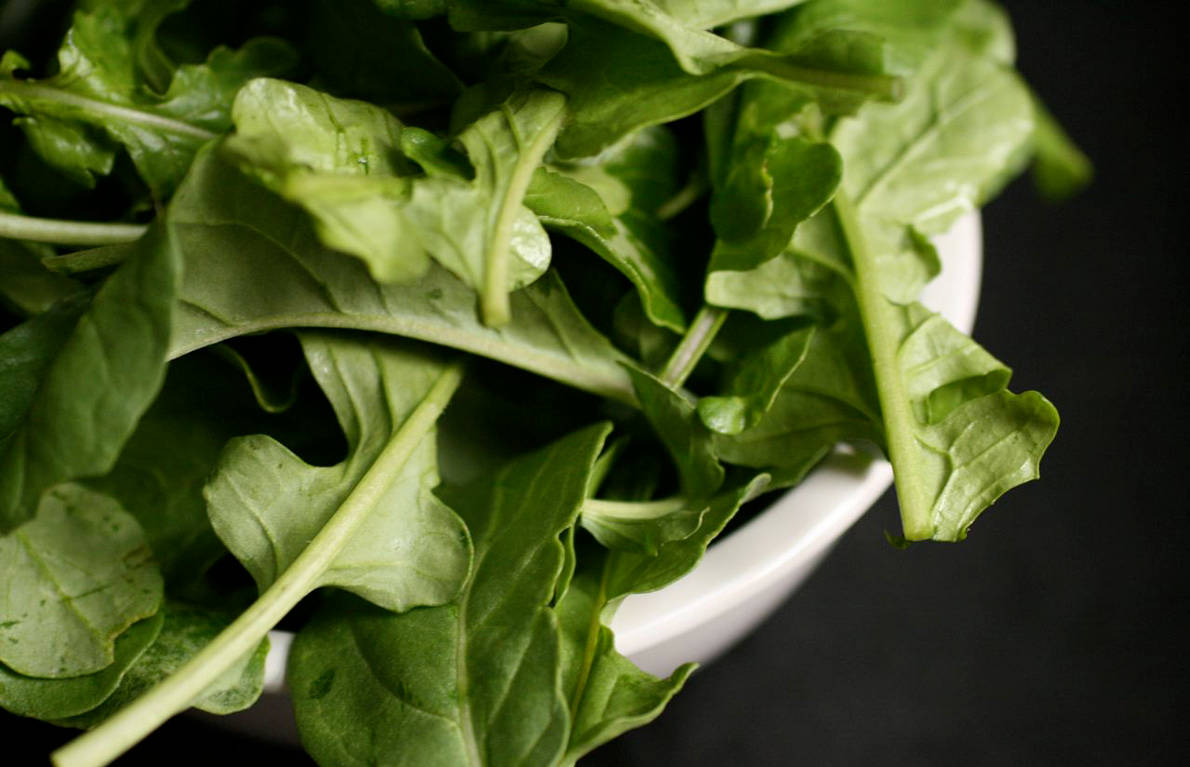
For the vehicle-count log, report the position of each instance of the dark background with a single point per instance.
(1053, 635)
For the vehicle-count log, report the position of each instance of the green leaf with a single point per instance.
(611, 207)
(476, 681)
(95, 379)
(608, 694)
(341, 161)
(355, 534)
(1060, 169)
(361, 51)
(166, 462)
(407, 549)
(688, 441)
(76, 576)
(757, 377)
(101, 99)
(184, 631)
(635, 573)
(49, 698)
(619, 81)
(913, 168)
(251, 265)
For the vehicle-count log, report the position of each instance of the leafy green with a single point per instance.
(101, 98)
(242, 389)
(608, 695)
(75, 577)
(475, 681)
(342, 162)
(252, 266)
(60, 698)
(69, 415)
(612, 208)
(184, 630)
(407, 548)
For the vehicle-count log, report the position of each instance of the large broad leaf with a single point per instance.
(913, 168)
(474, 682)
(252, 265)
(59, 698)
(75, 577)
(343, 162)
(406, 548)
(611, 207)
(101, 99)
(184, 631)
(75, 384)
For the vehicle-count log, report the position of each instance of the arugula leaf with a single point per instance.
(184, 631)
(341, 161)
(101, 99)
(60, 698)
(251, 265)
(675, 420)
(407, 549)
(95, 378)
(76, 576)
(618, 81)
(611, 207)
(756, 378)
(608, 695)
(413, 389)
(476, 681)
(913, 168)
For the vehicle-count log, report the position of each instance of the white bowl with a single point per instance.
(747, 574)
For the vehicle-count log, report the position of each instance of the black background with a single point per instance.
(1053, 635)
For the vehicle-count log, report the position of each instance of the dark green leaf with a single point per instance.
(474, 682)
(96, 380)
(252, 266)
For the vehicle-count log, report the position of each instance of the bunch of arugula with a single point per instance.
(395, 297)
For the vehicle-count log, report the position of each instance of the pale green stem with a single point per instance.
(133, 722)
(900, 428)
(92, 108)
(494, 300)
(693, 345)
(64, 232)
(633, 510)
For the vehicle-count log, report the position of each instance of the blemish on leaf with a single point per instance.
(322, 685)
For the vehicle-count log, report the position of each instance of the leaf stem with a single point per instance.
(694, 344)
(900, 427)
(64, 232)
(494, 299)
(133, 722)
(634, 510)
(98, 112)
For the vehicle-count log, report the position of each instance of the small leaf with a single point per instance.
(76, 576)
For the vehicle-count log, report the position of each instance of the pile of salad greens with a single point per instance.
(431, 329)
